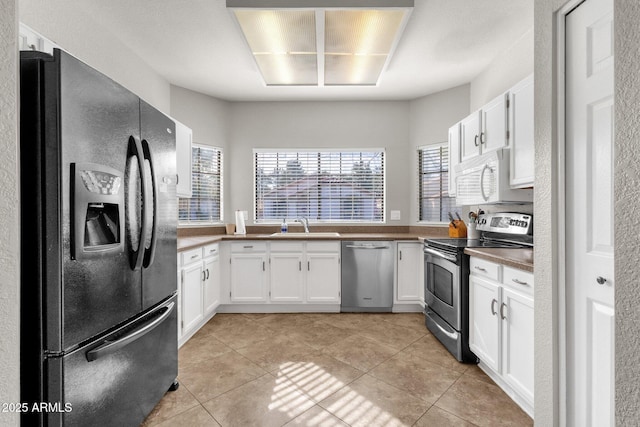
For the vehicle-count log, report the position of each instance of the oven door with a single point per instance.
(442, 286)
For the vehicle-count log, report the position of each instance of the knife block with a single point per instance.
(460, 229)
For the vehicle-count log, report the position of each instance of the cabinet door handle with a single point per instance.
(299, 265)
(194, 256)
(493, 310)
(248, 247)
(308, 265)
(519, 282)
(263, 266)
(482, 138)
(475, 140)
(207, 273)
(203, 276)
(484, 270)
(400, 255)
(502, 306)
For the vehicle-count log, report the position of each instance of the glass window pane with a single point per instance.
(322, 186)
(204, 206)
(433, 182)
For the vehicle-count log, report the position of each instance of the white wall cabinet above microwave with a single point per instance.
(485, 130)
(521, 138)
(505, 122)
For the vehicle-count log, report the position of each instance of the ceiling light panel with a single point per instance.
(283, 43)
(358, 43)
(321, 42)
(353, 69)
(361, 31)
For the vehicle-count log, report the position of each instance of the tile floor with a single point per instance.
(328, 370)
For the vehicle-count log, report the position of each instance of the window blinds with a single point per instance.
(433, 183)
(205, 204)
(338, 186)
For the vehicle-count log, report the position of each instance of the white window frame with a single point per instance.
(418, 175)
(191, 223)
(321, 150)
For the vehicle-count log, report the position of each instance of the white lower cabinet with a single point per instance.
(409, 277)
(484, 333)
(323, 272)
(284, 272)
(501, 326)
(211, 291)
(248, 272)
(191, 292)
(199, 292)
(285, 268)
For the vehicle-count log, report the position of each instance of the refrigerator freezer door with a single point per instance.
(159, 146)
(120, 386)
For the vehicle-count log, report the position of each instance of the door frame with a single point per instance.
(560, 205)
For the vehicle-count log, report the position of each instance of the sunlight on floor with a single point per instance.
(304, 377)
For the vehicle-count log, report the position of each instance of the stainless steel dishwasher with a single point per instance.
(367, 276)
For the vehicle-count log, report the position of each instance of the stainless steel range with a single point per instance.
(446, 276)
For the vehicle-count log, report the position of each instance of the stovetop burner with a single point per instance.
(498, 230)
(472, 243)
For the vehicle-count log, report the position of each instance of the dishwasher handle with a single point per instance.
(366, 247)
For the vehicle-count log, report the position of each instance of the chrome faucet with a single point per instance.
(305, 222)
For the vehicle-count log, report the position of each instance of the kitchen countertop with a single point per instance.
(191, 242)
(517, 258)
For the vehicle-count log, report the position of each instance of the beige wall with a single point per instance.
(429, 120)
(627, 206)
(505, 71)
(319, 125)
(627, 210)
(207, 117)
(9, 212)
(70, 26)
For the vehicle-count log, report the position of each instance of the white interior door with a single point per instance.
(589, 214)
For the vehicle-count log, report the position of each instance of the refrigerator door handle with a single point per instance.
(137, 255)
(150, 252)
(109, 347)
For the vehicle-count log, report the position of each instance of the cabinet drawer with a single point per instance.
(483, 268)
(211, 250)
(287, 247)
(517, 279)
(248, 247)
(190, 256)
(323, 246)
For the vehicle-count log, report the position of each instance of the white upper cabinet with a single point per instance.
(470, 136)
(454, 156)
(183, 160)
(485, 130)
(494, 134)
(521, 134)
(505, 122)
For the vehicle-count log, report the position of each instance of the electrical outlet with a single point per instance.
(395, 215)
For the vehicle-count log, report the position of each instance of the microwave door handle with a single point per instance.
(433, 252)
(484, 196)
(137, 257)
(151, 252)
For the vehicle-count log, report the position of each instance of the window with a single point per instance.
(205, 204)
(433, 184)
(332, 185)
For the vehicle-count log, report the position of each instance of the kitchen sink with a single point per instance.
(310, 234)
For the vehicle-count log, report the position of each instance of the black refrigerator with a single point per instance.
(98, 247)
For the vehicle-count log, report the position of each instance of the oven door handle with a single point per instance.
(448, 257)
(451, 335)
